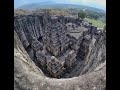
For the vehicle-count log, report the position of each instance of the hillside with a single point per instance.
(61, 6)
(97, 23)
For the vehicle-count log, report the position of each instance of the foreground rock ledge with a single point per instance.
(27, 76)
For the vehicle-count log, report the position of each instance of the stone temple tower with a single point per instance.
(55, 37)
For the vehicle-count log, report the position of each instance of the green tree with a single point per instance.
(82, 14)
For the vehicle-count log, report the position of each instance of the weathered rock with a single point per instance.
(41, 58)
(55, 37)
(36, 45)
(43, 36)
(28, 77)
(70, 59)
(55, 67)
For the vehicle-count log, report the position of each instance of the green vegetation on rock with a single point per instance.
(82, 15)
(97, 23)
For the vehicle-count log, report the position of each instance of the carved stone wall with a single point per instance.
(44, 36)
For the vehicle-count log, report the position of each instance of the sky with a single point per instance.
(101, 4)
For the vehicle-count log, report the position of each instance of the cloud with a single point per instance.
(95, 3)
(98, 2)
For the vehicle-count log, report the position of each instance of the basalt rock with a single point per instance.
(48, 47)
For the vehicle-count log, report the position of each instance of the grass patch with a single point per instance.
(97, 23)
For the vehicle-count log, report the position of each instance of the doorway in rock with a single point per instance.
(40, 39)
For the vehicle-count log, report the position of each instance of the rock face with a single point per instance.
(27, 76)
(55, 37)
(55, 67)
(58, 47)
(70, 59)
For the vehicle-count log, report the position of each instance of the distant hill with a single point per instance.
(18, 3)
(53, 5)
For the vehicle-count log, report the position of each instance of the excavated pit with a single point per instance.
(62, 47)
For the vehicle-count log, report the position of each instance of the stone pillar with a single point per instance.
(36, 45)
(41, 58)
(92, 30)
(54, 67)
(84, 47)
(70, 59)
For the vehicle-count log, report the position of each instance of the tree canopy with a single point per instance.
(82, 14)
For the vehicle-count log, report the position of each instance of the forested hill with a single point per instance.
(61, 6)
